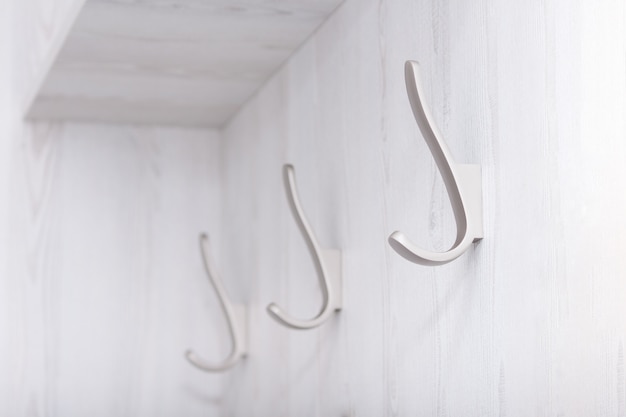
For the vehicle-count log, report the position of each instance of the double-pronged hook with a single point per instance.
(235, 316)
(463, 183)
(327, 264)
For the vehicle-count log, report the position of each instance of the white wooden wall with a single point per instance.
(102, 288)
(105, 285)
(101, 285)
(530, 322)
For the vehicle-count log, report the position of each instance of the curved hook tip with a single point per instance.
(411, 64)
(276, 312)
(411, 70)
(405, 248)
(196, 361)
(396, 241)
(289, 172)
(283, 318)
(192, 358)
(203, 241)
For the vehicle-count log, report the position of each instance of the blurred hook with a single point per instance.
(235, 315)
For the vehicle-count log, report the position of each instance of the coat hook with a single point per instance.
(463, 183)
(327, 264)
(235, 315)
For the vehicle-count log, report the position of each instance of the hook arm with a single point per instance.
(235, 316)
(463, 184)
(327, 264)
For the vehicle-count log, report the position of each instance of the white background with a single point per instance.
(101, 283)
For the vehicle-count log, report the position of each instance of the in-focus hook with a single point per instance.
(327, 264)
(463, 184)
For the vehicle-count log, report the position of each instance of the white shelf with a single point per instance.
(178, 62)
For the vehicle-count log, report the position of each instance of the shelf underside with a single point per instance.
(175, 62)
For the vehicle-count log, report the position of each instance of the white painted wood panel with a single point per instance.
(530, 321)
(106, 281)
(182, 62)
(101, 285)
(101, 280)
(39, 29)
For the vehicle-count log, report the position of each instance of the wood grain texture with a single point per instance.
(100, 276)
(102, 288)
(181, 62)
(101, 285)
(39, 29)
(106, 280)
(528, 322)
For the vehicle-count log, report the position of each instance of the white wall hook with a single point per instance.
(327, 264)
(463, 183)
(235, 315)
